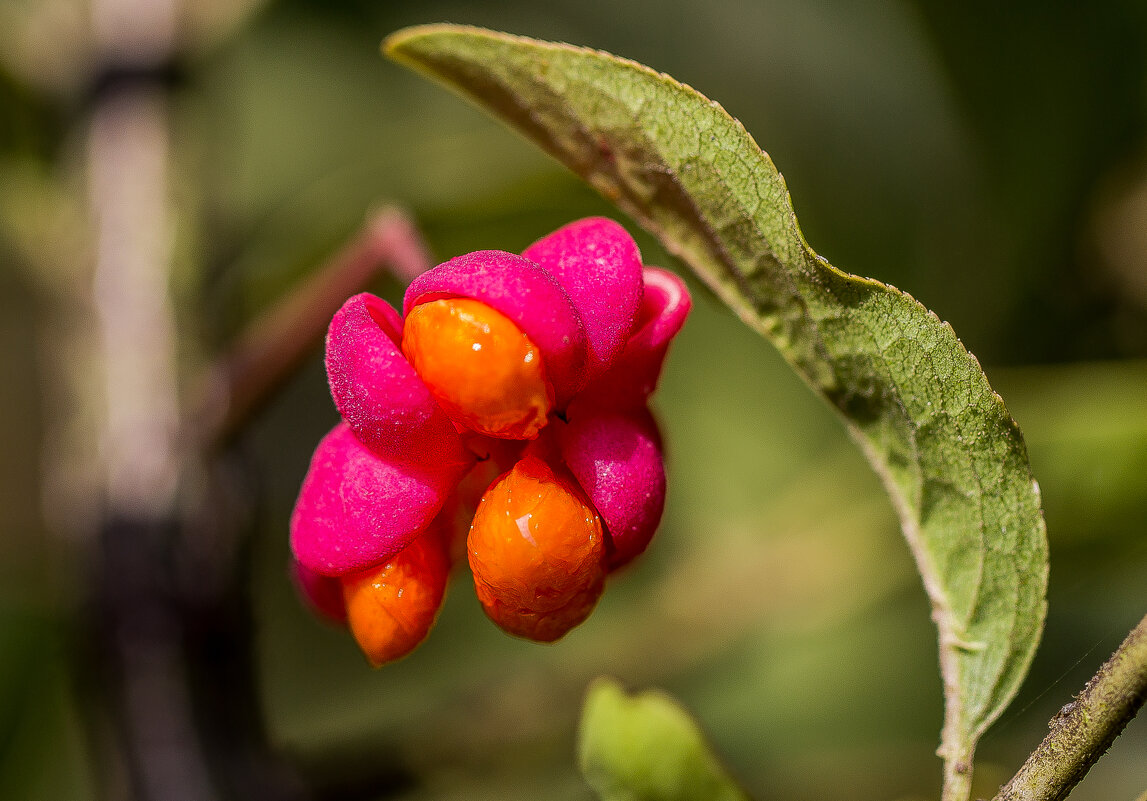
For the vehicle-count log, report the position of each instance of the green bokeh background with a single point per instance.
(992, 162)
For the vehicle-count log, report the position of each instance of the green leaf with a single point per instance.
(647, 748)
(951, 458)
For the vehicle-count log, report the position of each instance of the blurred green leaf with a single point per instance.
(647, 748)
(948, 453)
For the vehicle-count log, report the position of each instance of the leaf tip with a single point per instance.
(406, 44)
(396, 46)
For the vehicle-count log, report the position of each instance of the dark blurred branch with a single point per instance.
(274, 345)
(137, 640)
(1084, 729)
(171, 641)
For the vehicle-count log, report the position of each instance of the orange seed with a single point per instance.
(536, 548)
(484, 372)
(391, 607)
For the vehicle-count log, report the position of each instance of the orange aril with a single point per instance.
(536, 548)
(392, 606)
(484, 372)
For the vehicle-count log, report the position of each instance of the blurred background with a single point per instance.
(170, 171)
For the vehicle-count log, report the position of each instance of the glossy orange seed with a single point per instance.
(391, 607)
(484, 372)
(536, 549)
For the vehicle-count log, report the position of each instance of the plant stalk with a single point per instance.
(957, 780)
(1085, 728)
(274, 345)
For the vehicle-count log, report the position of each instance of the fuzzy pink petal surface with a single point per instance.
(616, 457)
(356, 508)
(323, 594)
(598, 264)
(525, 293)
(665, 304)
(379, 394)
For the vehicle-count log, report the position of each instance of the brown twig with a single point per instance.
(275, 344)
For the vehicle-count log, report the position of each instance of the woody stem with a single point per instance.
(1085, 728)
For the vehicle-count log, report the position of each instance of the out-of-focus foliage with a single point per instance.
(645, 747)
(948, 149)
